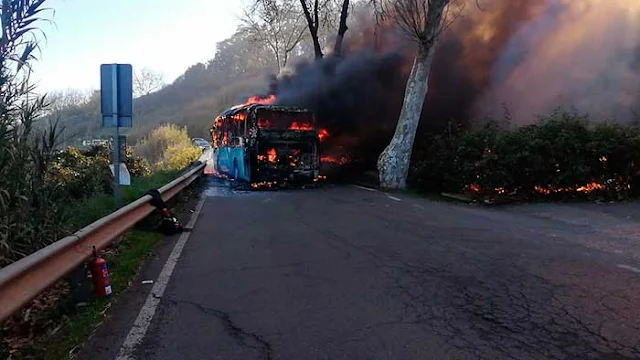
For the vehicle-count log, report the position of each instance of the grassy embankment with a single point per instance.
(57, 328)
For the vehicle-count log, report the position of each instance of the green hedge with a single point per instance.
(40, 194)
(562, 156)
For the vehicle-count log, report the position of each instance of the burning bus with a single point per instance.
(262, 143)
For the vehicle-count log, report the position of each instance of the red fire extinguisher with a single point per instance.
(100, 275)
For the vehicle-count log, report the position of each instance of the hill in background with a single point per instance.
(193, 100)
(239, 69)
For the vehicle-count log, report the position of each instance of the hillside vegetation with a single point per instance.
(241, 66)
(562, 156)
(48, 191)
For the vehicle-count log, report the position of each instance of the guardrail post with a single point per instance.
(80, 285)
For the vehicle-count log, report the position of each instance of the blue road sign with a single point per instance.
(116, 93)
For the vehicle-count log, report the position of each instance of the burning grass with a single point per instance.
(560, 158)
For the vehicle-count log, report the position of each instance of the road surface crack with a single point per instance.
(242, 336)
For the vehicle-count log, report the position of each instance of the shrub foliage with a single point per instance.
(168, 147)
(562, 156)
(39, 184)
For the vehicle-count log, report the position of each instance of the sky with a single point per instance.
(167, 36)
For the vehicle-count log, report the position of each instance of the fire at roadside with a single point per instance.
(283, 146)
(593, 190)
(335, 156)
(489, 61)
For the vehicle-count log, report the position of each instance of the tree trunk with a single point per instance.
(313, 24)
(316, 46)
(393, 163)
(342, 28)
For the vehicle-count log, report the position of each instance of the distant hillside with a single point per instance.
(193, 100)
(239, 69)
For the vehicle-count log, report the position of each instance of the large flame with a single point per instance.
(323, 134)
(257, 99)
(530, 55)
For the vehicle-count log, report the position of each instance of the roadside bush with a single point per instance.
(562, 156)
(178, 157)
(81, 174)
(137, 166)
(168, 147)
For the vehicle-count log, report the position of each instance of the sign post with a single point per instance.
(116, 106)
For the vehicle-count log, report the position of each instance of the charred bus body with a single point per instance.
(266, 143)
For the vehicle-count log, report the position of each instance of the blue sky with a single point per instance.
(165, 35)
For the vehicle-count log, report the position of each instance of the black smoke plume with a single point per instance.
(528, 55)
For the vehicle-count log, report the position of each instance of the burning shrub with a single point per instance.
(562, 156)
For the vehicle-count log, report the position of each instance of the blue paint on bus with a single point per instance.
(257, 143)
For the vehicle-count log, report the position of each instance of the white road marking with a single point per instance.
(365, 188)
(630, 268)
(394, 198)
(140, 326)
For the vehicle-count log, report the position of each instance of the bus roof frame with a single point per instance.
(255, 107)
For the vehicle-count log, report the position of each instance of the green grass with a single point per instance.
(124, 258)
(99, 206)
(123, 265)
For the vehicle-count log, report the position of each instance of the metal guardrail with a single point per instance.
(23, 280)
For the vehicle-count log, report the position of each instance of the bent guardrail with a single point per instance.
(26, 278)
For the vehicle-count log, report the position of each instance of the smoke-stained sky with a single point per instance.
(573, 53)
(531, 56)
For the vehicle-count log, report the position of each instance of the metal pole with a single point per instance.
(116, 138)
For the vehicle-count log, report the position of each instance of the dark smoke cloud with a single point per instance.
(530, 55)
(572, 53)
(467, 58)
(353, 97)
(343, 93)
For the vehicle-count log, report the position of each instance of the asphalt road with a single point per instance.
(341, 272)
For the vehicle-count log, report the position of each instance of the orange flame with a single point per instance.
(591, 187)
(588, 188)
(257, 99)
(330, 159)
(263, 184)
(300, 126)
(323, 134)
(271, 155)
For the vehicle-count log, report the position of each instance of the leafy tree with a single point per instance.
(168, 147)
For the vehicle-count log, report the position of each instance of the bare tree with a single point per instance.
(147, 81)
(63, 99)
(342, 27)
(313, 24)
(276, 23)
(422, 21)
(318, 16)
